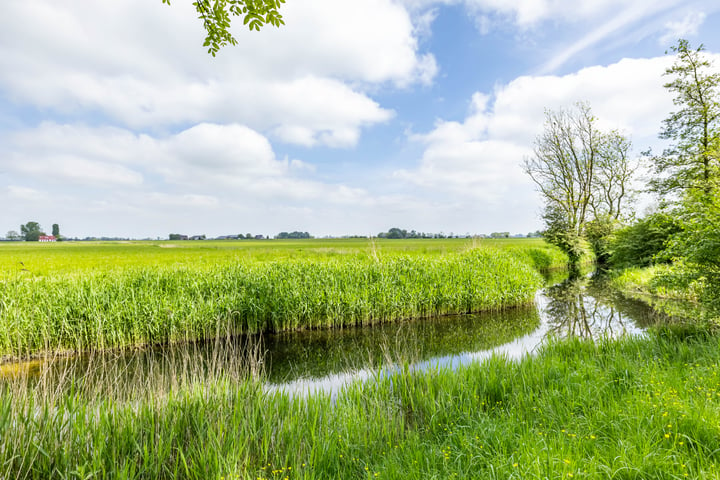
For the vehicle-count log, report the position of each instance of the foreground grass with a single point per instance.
(637, 408)
(186, 296)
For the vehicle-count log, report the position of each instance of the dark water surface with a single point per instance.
(326, 360)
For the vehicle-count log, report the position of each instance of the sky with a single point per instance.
(353, 118)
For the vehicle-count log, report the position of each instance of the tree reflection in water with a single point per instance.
(585, 307)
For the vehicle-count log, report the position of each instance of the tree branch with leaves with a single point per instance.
(217, 16)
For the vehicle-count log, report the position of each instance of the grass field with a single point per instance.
(71, 257)
(85, 296)
(635, 408)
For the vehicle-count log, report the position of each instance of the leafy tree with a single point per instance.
(31, 231)
(216, 16)
(56, 230)
(13, 235)
(560, 233)
(394, 233)
(583, 175)
(697, 244)
(691, 161)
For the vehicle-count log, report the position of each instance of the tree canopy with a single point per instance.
(217, 16)
(691, 161)
(31, 231)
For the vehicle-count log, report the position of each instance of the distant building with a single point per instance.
(47, 238)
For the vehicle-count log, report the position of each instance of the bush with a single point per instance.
(641, 244)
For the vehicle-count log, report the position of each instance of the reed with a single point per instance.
(633, 408)
(88, 310)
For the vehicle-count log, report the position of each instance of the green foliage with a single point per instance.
(600, 233)
(699, 244)
(216, 16)
(562, 234)
(396, 233)
(691, 162)
(583, 175)
(642, 243)
(138, 304)
(31, 231)
(292, 235)
(56, 230)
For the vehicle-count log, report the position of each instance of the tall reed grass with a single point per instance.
(166, 303)
(635, 408)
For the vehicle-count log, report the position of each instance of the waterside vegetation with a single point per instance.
(632, 408)
(82, 308)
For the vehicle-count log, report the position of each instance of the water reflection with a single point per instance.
(326, 360)
(586, 307)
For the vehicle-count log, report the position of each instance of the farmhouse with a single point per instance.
(47, 238)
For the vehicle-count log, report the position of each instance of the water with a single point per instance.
(326, 360)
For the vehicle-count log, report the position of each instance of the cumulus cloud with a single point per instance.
(150, 71)
(208, 170)
(477, 162)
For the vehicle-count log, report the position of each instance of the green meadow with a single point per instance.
(629, 408)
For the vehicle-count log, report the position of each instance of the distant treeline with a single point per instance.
(292, 235)
(247, 236)
(401, 233)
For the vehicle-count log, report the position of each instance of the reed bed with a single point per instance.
(176, 302)
(635, 408)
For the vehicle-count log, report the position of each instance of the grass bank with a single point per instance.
(664, 289)
(194, 294)
(636, 408)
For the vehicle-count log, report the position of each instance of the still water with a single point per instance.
(326, 360)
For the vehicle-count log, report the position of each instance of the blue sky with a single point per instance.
(353, 118)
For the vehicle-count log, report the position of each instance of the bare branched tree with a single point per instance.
(582, 173)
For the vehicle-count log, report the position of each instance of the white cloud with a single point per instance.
(150, 70)
(476, 163)
(578, 27)
(683, 28)
(25, 193)
(205, 172)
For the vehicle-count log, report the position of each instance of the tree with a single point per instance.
(292, 235)
(611, 191)
(583, 174)
(31, 231)
(13, 235)
(216, 16)
(691, 161)
(56, 230)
